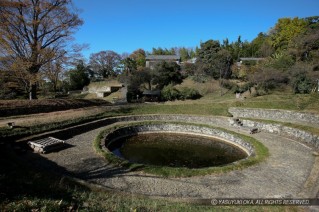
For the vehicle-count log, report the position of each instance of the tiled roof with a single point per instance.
(153, 92)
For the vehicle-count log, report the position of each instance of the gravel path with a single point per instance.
(283, 174)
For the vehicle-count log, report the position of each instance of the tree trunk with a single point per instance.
(34, 69)
(55, 87)
(33, 91)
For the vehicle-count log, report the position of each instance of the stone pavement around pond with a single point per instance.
(283, 174)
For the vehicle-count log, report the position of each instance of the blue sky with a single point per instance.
(126, 25)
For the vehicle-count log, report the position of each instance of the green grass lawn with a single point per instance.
(217, 105)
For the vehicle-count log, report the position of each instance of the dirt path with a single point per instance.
(42, 118)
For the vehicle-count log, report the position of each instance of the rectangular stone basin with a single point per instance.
(46, 145)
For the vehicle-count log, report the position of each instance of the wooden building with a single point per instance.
(152, 96)
(151, 60)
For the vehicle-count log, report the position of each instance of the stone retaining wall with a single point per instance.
(179, 128)
(274, 114)
(293, 133)
(299, 135)
(81, 128)
(182, 118)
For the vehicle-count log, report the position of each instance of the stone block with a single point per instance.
(46, 145)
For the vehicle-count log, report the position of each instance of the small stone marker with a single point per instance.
(46, 145)
(253, 130)
(11, 125)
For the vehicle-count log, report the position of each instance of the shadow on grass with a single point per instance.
(124, 110)
(20, 178)
(24, 173)
(29, 180)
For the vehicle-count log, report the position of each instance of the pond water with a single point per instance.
(176, 150)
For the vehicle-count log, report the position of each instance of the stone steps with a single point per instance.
(237, 122)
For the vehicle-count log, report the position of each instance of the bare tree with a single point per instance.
(53, 71)
(18, 70)
(104, 63)
(35, 32)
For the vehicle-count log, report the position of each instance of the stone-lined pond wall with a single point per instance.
(215, 120)
(181, 128)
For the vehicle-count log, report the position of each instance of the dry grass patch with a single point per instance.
(58, 116)
(23, 107)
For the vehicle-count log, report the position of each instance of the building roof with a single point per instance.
(153, 92)
(163, 57)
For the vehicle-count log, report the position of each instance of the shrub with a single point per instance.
(200, 78)
(167, 73)
(188, 69)
(189, 93)
(267, 79)
(238, 89)
(169, 93)
(229, 84)
(280, 61)
(302, 84)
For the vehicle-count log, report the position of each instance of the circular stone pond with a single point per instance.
(176, 150)
(176, 145)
